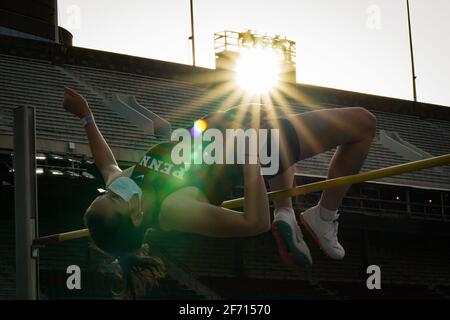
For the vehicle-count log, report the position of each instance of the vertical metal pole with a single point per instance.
(408, 203)
(192, 32)
(412, 54)
(55, 21)
(25, 203)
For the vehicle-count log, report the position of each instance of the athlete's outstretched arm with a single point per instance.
(183, 211)
(103, 156)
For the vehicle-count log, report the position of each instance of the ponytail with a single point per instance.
(139, 271)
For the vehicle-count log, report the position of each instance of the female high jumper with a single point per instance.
(175, 197)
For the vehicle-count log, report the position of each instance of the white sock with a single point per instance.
(326, 214)
(288, 209)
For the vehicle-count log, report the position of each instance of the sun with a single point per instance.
(257, 70)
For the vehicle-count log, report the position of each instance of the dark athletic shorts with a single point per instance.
(218, 181)
(289, 145)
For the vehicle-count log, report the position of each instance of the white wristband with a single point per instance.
(86, 120)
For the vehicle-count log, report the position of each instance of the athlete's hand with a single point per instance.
(75, 103)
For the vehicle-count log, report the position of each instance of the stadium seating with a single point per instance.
(239, 268)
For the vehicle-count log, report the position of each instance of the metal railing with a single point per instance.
(384, 207)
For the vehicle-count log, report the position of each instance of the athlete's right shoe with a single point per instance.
(288, 235)
(324, 232)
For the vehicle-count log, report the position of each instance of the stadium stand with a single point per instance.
(399, 223)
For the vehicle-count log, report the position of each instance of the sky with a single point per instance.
(355, 45)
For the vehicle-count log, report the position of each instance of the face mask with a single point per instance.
(125, 188)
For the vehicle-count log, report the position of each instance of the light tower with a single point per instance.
(259, 62)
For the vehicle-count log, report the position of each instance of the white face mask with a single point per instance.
(125, 188)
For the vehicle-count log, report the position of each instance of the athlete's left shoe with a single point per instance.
(289, 237)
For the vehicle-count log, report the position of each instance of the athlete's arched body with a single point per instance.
(163, 195)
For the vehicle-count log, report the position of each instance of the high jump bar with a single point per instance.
(296, 191)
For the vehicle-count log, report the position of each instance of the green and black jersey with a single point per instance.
(156, 167)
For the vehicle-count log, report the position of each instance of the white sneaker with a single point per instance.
(323, 232)
(291, 246)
